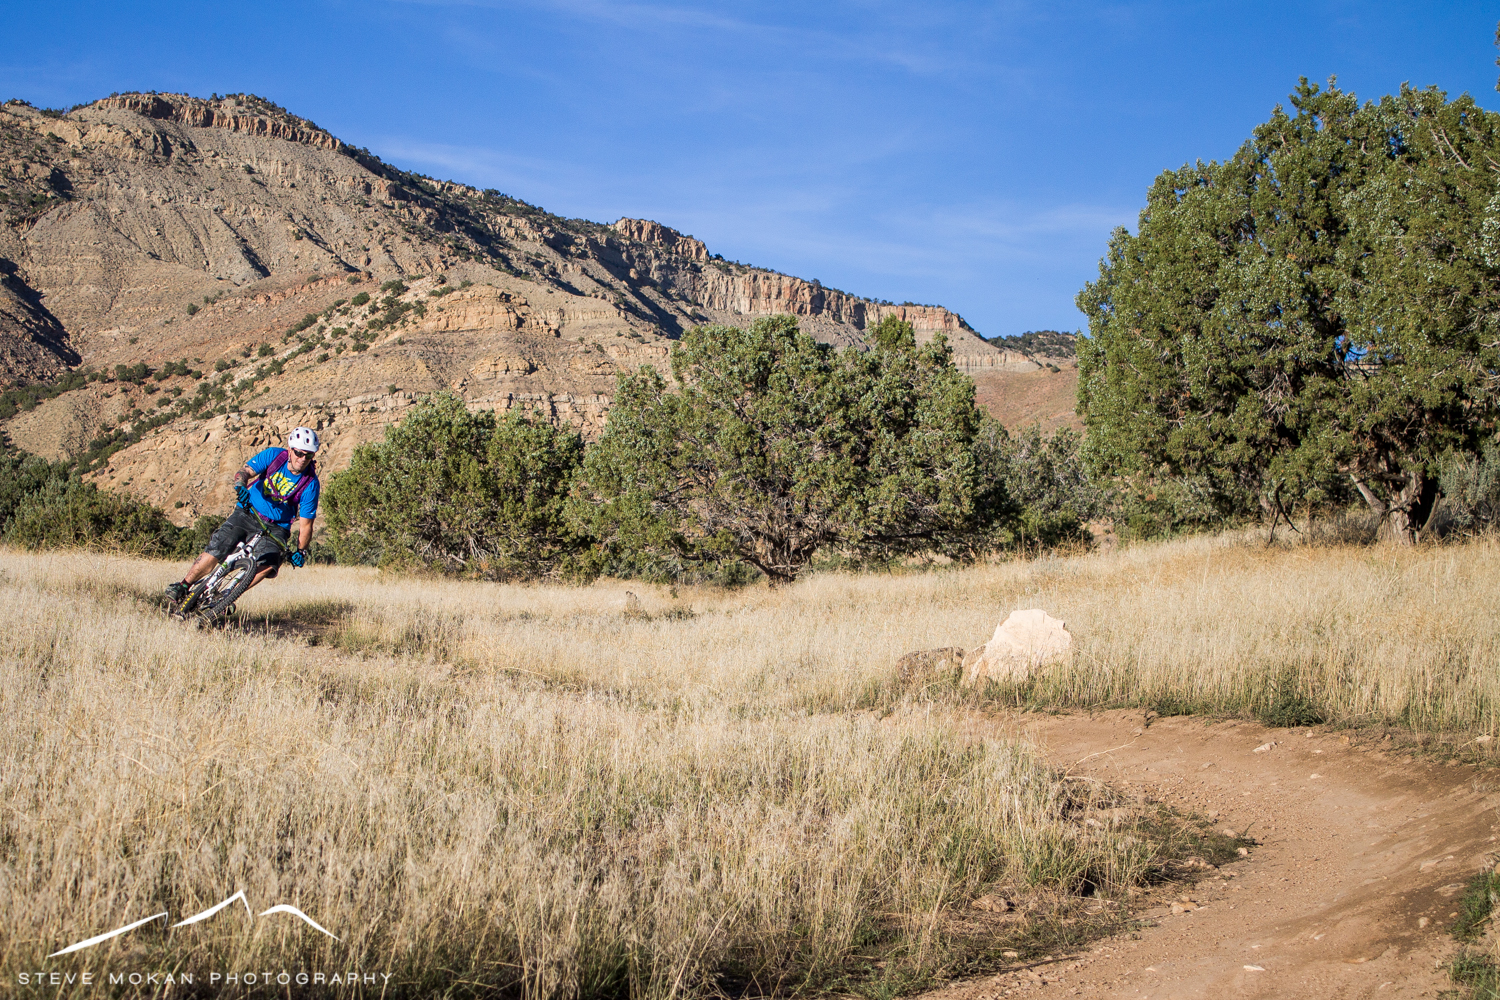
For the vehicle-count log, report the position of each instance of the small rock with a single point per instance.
(1255, 968)
(1243, 853)
(1313, 777)
(927, 662)
(1483, 739)
(1264, 747)
(1309, 734)
(1010, 954)
(1184, 906)
(1423, 922)
(993, 903)
(1230, 832)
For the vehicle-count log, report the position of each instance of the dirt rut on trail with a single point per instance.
(1362, 859)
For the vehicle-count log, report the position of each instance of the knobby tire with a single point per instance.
(214, 608)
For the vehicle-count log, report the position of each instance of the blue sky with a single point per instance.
(974, 155)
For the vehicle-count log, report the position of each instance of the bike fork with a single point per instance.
(202, 587)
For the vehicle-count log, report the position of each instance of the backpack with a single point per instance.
(302, 483)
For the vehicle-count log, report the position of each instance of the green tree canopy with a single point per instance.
(459, 491)
(1313, 317)
(64, 511)
(1038, 490)
(774, 446)
(892, 334)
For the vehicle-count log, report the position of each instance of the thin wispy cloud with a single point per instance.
(904, 49)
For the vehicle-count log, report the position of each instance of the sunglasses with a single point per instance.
(302, 454)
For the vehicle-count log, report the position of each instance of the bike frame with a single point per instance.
(244, 550)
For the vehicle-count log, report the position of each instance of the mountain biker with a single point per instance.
(287, 491)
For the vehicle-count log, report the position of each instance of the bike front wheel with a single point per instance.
(215, 605)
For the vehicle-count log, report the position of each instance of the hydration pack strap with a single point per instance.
(302, 483)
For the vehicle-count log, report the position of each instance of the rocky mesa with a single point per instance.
(237, 270)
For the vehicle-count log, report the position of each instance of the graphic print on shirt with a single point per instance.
(280, 484)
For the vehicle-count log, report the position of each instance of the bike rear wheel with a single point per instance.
(215, 606)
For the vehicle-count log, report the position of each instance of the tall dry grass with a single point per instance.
(550, 792)
(1213, 624)
(468, 828)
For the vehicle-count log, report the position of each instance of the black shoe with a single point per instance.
(177, 591)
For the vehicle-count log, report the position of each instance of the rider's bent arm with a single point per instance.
(304, 527)
(246, 476)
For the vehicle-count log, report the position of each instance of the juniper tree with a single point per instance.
(1313, 317)
(459, 491)
(774, 446)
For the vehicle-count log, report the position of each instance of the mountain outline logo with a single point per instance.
(195, 918)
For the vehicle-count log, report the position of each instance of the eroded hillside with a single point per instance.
(237, 271)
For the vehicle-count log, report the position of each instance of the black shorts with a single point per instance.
(240, 526)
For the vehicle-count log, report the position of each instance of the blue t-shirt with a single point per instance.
(285, 482)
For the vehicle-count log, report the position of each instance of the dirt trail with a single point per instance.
(1350, 894)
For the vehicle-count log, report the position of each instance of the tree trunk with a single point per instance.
(1405, 515)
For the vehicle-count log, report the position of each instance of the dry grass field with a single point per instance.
(552, 792)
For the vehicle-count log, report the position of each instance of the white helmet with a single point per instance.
(303, 439)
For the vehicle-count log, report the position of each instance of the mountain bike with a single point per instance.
(211, 599)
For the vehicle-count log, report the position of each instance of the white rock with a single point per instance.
(1023, 642)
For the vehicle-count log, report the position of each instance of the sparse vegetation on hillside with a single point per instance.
(39, 185)
(1044, 343)
(24, 398)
